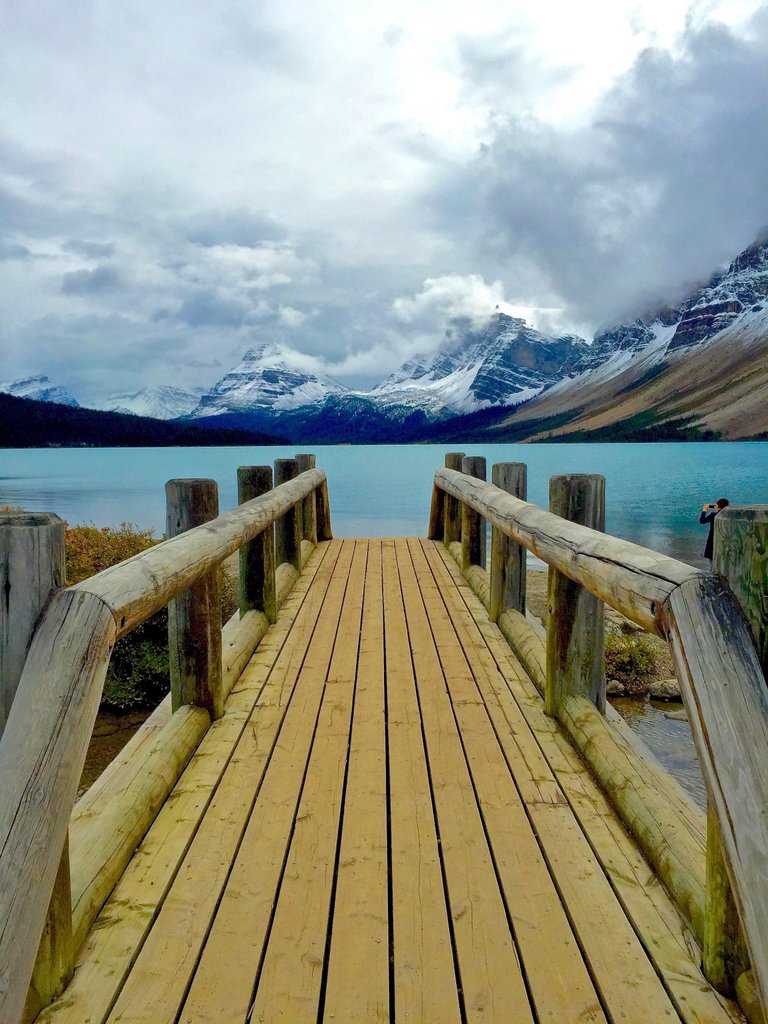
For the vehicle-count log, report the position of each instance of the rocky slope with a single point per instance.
(39, 389)
(163, 402)
(701, 369)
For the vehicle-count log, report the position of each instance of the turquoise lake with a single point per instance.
(654, 492)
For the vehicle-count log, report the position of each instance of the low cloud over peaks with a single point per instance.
(665, 182)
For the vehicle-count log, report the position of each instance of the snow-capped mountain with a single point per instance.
(39, 389)
(162, 402)
(505, 363)
(266, 378)
(699, 370)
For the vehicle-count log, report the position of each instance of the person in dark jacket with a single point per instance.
(708, 515)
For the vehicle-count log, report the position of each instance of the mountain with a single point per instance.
(28, 423)
(266, 379)
(39, 389)
(162, 402)
(699, 371)
(505, 363)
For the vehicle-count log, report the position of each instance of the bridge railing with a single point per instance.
(717, 871)
(46, 910)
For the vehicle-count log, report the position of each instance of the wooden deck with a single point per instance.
(384, 826)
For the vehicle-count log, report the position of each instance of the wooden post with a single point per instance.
(323, 512)
(741, 555)
(309, 505)
(257, 557)
(472, 523)
(32, 566)
(575, 619)
(508, 559)
(194, 617)
(288, 528)
(451, 505)
(436, 514)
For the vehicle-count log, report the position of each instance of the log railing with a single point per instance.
(46, 908)
(716, 661)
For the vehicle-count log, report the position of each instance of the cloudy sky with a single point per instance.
(182, 180)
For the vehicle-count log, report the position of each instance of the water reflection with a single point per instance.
(669, 740)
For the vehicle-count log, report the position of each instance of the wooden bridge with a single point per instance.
(378, 794)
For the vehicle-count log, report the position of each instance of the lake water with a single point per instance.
(654, 492)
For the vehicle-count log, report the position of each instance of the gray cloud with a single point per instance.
(92, 250)
(665, 183)
(13, 251)
(91, 282)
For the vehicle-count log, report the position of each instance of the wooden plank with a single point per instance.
(358, 960)
(424, 979)
(222, 986)
(160, 977)
(668, 942)
(289, 984)
(113, 945)
(492, 982)
(634, 580)
(555, 971)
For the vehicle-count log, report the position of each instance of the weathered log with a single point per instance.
(140, 586)
(726, 699)
(194, 617)
(473, 526)
(741, 556)
(669, 830)
(288, 528)
(436, 514)
(508, 559)
(309, 505)
(32, 566)
(114, 816)
(575, 617)
(451, 505)
(527, 645)
(749, 998)
(41, 757)
(323, 511)
(257, 557)
(634, 580)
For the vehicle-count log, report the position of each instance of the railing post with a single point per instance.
(288, 528)
(323, 512)
(257, 557)
(32, 566)
(194, 617)
(575, 619)
(309, 505)
(508, 559)
(436, 514)
(451, 505)
(472, 523)
(741, 555)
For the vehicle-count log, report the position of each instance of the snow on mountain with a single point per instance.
(505, 363)
(266, 378)
(39, 389)
(162, 402)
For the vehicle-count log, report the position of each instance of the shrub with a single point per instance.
(631, 658)
(138, 673)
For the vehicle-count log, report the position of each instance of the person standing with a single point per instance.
(708, 516)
